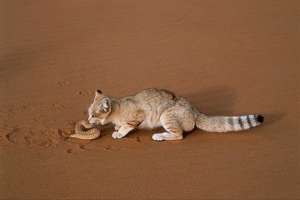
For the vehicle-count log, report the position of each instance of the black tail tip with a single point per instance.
(260, 118)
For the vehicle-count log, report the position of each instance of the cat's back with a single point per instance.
(155, 96)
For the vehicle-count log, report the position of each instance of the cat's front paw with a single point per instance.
(117, 135)
(116, 127)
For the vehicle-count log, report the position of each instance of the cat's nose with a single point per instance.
(91, 116)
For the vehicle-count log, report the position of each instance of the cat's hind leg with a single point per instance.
(170, 123)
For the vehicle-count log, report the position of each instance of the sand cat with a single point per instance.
(153, 108)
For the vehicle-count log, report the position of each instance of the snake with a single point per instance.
(85, 131)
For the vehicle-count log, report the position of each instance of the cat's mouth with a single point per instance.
(94, 121)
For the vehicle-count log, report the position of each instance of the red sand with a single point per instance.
(227, 57)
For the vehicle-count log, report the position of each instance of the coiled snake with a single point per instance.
(85, 130)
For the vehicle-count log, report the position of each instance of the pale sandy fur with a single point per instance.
(153, 108)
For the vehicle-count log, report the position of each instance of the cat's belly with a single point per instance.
(150, 122)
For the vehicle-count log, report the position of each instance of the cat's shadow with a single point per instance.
(214, 101)
(220, 101)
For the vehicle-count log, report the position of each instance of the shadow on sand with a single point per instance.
(220, 101)
(214, 101)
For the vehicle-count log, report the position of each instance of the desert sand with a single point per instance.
(227, 57)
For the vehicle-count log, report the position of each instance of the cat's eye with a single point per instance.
(93, 115)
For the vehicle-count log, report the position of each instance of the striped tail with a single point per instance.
(228, 123)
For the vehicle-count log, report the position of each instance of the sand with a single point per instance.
(227, 57)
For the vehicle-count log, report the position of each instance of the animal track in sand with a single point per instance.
(107, 147)
(138, 139)
(64, 134)
(69, 151)
(42, 138)
(28, 136)
(11, 135)
(82, 147)
(84, 93)
(63, 83)
(58, 106)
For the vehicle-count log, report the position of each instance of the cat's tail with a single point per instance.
(227, 123)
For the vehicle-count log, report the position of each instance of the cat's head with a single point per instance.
(100, 109)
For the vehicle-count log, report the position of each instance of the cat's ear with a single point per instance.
(98, 92)
(105, 105)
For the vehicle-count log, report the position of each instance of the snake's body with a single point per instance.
(86, 131)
